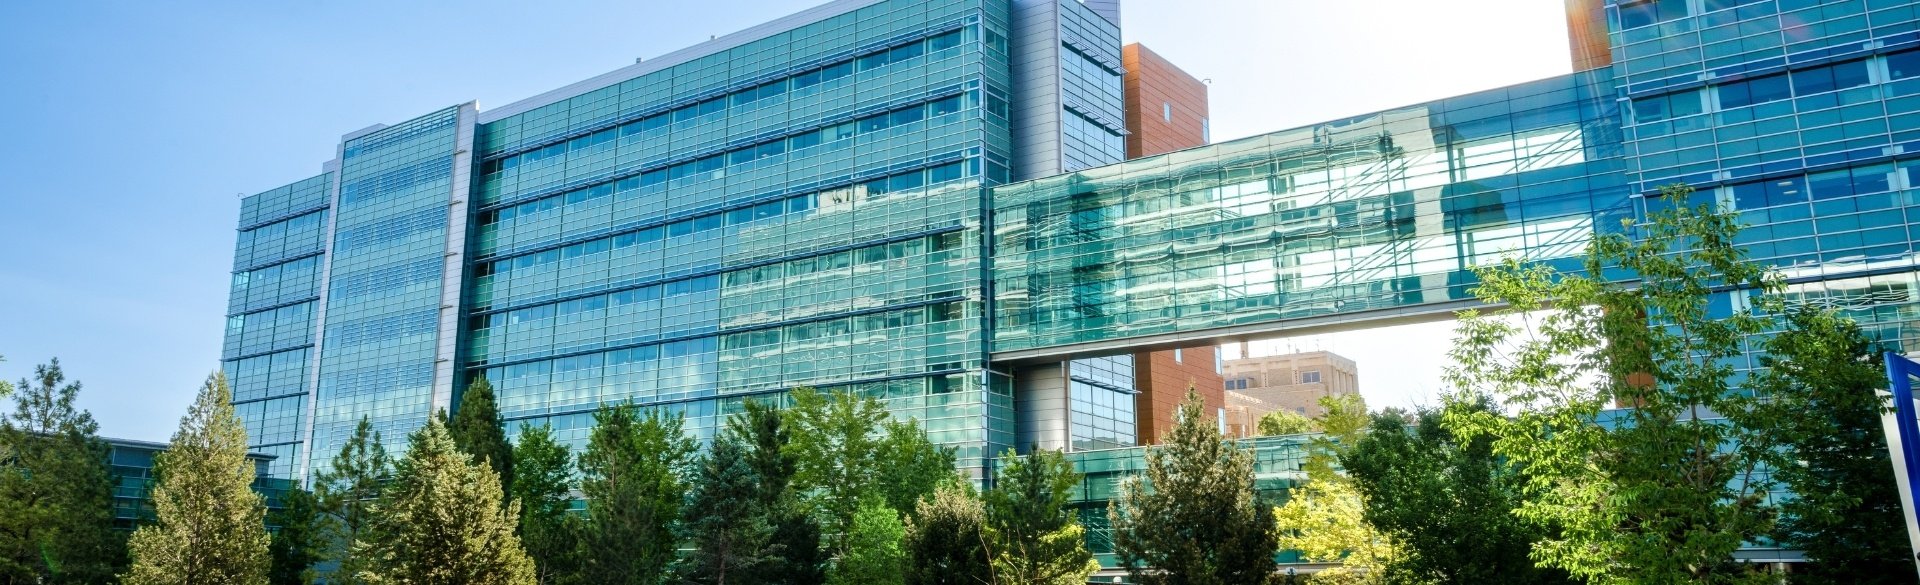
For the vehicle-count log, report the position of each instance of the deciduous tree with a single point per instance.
(1659, 492)
(946, 541)
(873, 548)
(1032, 534)
(1283, 422)
(209, 523)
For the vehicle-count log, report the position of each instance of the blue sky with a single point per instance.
(131, 126)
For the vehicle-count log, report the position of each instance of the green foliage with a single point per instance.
(541, 484)
(1195, 517)
(296, 543)
(1283, 422)
(846, 450)
(478, 431)
(1821, 376)
(1324, 519)
(56, 489)
(631, 476)
(1032, 534)
(726, 526)
(798, 558)
(441, 521)
(1652, 494)
(873, 548)
(346, 492)
(946, 539)
(210, 525)
(1447, 502)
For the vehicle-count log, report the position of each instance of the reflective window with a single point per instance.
(1830, 78)
(1903, 65)
(1641, 14)
(1758, 90)
(1666, 107)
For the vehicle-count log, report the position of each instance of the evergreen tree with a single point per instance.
(726, 526)
(796, 556)
(1648, 493)
(1284, 422)
(946, 540)
(210, 525)
(873, 553)
(296, 543)
(1034, 537)
(1449, 503)
(441, 522)
(542, 468)
(631, 475)
(1194, 518)
(478, 431)
(346, 492)
(1821, 375)
(56, 489)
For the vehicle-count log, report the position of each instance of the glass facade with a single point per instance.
(827, 200)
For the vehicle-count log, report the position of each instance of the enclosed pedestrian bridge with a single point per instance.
(1364, 222)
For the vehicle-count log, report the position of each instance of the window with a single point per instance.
(1712, 5)
(1666, 107)
(1166, 111)
(1769, 193)
(1903, 65)
(1641, 14)
(1833, 77)
(1310, 377)
(1758, 90)
(1237, 384)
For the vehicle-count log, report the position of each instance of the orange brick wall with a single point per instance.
(1163, 384)
(1152, 82)
(1587, 34)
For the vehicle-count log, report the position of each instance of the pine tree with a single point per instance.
(797, 555)
(1034, 537)
(1195, 517)
(441, 522)
(542, 468)
(210, 525)
(56, 489)
(478, 431)
(873, 554)
(946, 540)
(296, 543)
(631, 475)
(1821, 375)
(346, 493)
(726, 525)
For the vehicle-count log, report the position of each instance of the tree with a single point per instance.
(1284, 422)
(1820, 378)
(1194, 518)
(726, 526)
(835, 450)
(873, 554)
(1324, 518)
(1657, 492)
(56, 489)
(210, 526)
(296, 543)
(631, 476)
(1032, 534)
(346, 492)
(441, 522)
(1448, 503)
(946, 540)
(797, 558)
(914, 466)
(542, 469)
(478, 431)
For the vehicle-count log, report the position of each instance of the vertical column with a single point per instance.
(1040, 405)
(320, 319)
(446, 352)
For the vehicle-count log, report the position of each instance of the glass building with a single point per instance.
(928, 202)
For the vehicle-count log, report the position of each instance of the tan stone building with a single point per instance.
(1295, 382)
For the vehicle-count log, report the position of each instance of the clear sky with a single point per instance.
(131, 126)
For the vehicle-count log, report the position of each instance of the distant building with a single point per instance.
(1295, 382)
(1166, 107)
(132, 465)
(1163, 378)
